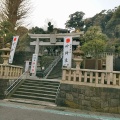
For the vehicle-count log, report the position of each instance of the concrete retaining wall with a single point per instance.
(89, 98)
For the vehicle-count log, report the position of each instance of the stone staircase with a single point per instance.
(41, 90)
(56, 73)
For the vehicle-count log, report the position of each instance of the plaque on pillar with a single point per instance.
(52, 38)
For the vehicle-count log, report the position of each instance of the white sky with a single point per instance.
(58, 11)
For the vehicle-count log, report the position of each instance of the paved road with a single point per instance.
(17, 111)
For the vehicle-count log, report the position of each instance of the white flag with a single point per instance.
(34, 63)
(67, 52)
(13, 47)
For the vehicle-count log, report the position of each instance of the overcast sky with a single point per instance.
(58, 11)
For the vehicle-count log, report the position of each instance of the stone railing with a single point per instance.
(10, 71)
(97, 78)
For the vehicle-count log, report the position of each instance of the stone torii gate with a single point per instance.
(53, 40)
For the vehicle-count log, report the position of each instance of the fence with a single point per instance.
(10, 71)
(97, 78)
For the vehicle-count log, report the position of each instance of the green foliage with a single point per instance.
(94, 47)
(94, 32)
(75, 20)
(117, 12)
(117, 31)
(112, 27)
(107, 20)
(94, 42)
(6, 34)
(9, 37)
(23, 43)
(5, 27)
(50, 27)
(37, 30)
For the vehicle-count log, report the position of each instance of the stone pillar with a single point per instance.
(109, 62)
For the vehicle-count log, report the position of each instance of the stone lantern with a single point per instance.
(5, 53)
(78, 54)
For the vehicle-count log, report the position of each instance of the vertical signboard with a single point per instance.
(34, 63)
(67, 52)
(27, 66)
(13, 47)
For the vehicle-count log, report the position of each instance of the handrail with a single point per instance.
(11, 87)
(52, 65)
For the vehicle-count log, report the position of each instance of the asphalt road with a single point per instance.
(13, 111)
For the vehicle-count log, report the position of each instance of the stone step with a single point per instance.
(34, 97)
(40, 90)
(43, 80)
(35, 94)
(29, 101)
(36, 90)
(35, 84)
(39, 87)
(41, 83)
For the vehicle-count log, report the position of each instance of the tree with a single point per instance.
(50, 27)
(117, 31)
(14, 11)
(92, 33)
(5, 33)
(95, 42)
(75, 21)
(112, 26)
(37, 30)
(88, 22)
(21, 30)
(100, 19)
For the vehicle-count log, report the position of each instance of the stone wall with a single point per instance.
(89, 98)
(3, 86)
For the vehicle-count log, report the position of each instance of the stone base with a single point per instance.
(3, 86)
(95, 99)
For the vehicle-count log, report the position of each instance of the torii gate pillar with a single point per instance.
(36, 52)
(37, 46)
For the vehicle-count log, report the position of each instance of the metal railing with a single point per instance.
(12, 86)
(51, 66)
